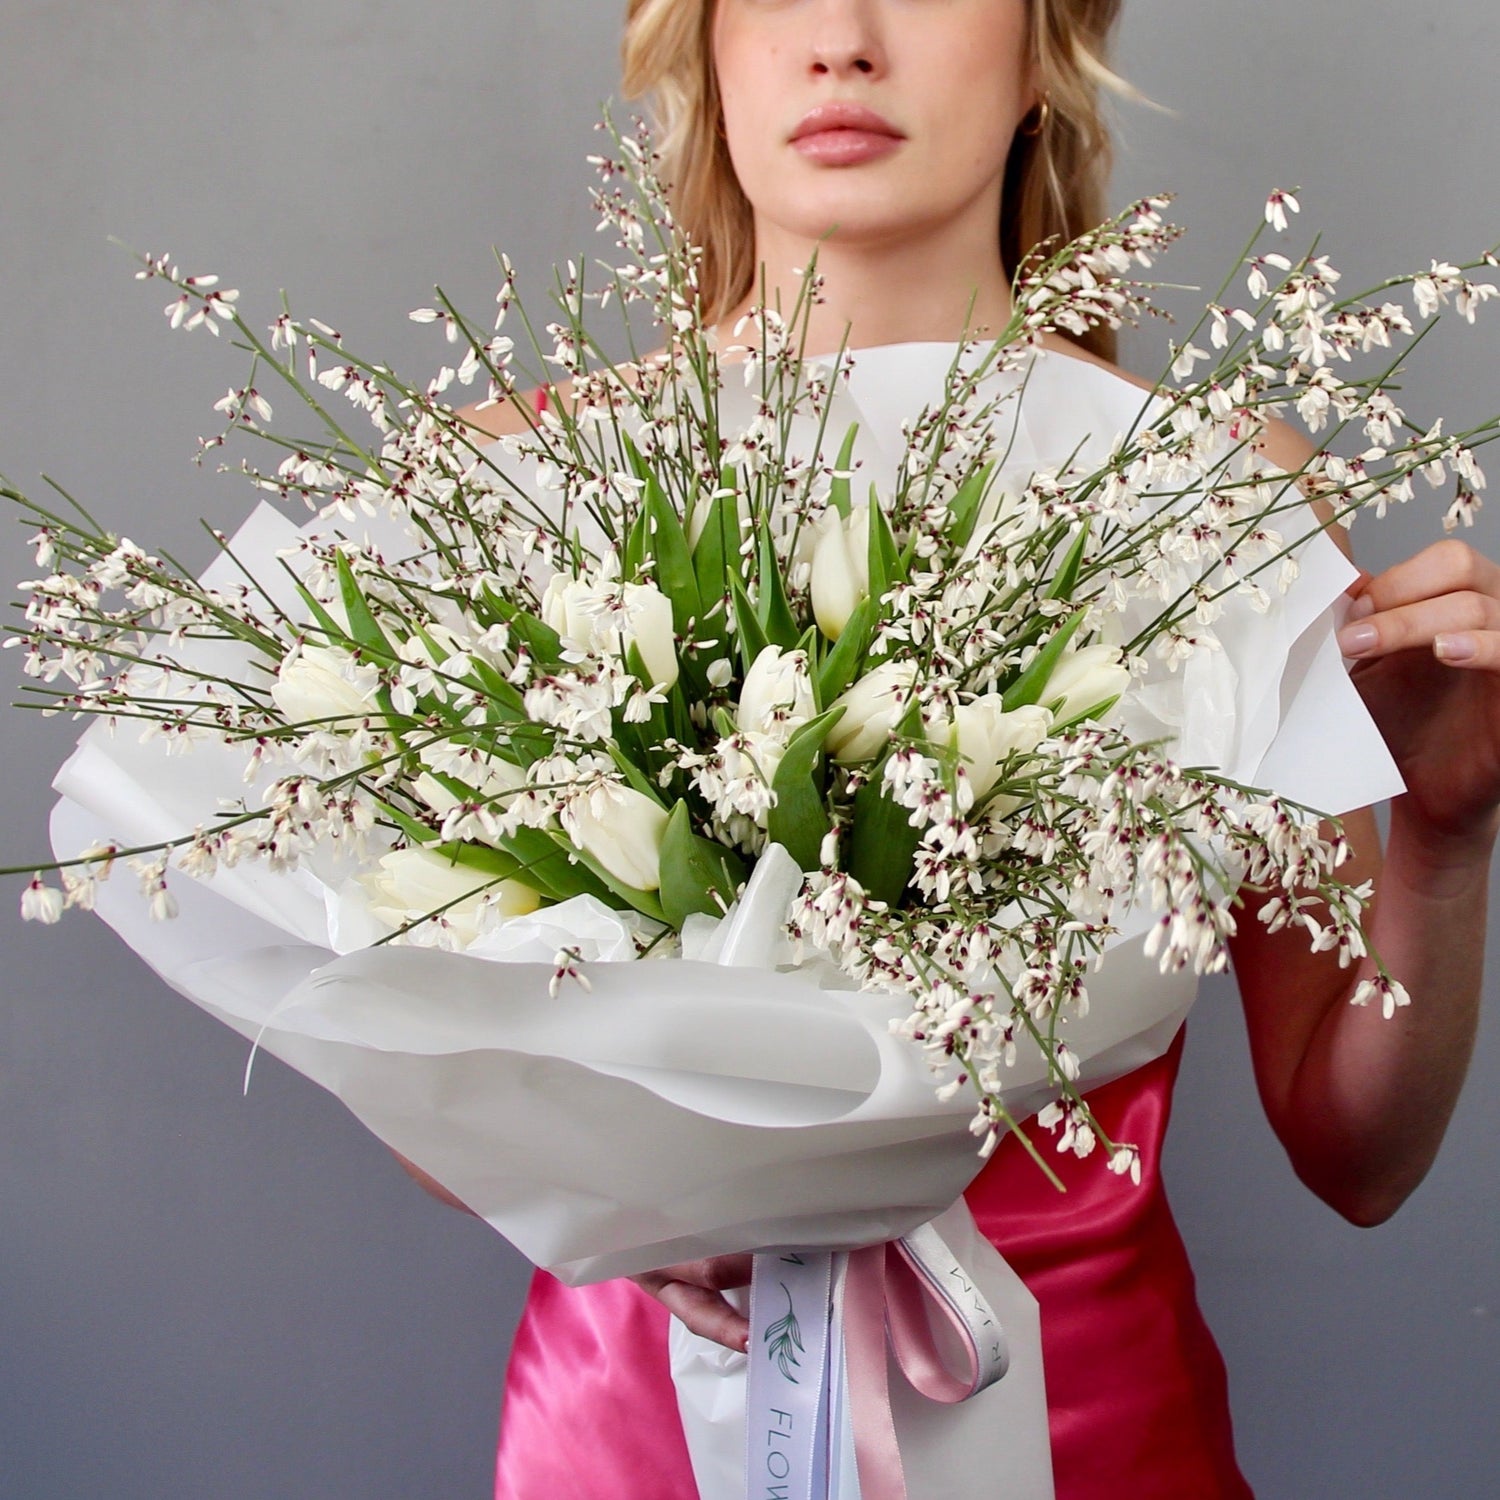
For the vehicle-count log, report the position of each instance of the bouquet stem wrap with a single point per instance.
(912, 1368)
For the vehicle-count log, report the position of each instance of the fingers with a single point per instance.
(692, 1293)
(1410, 627)
(718, 1273)
(706, 1313)
(1444, 568)
(1446, 599)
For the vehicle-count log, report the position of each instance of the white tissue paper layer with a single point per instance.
(721, 1102)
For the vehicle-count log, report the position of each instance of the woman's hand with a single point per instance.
(693, 1293)
(1425, 638)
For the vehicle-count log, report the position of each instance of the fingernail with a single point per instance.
(1359, 608)
(1355, 640)
(1454, 647)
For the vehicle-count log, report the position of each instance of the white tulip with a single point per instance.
(608, 616)
(1085, 678)
(1003, 517)
(872, 706)
(570, 606)
(324, 682)
(409, 883)
(620, 828)
(777, 696)
(489, 779)
(649, 613)
(985, 736)
(840, 568)
(432, 791)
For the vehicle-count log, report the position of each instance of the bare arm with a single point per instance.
(1361, 1101)
(431, 1184)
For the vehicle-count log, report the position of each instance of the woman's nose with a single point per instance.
(846, 39)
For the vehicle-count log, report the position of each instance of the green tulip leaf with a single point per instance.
(638, 465)
(551, 870)
(772, 609)
(335, 631)
(1093, 711)
(363, 626)
(885, 557)
(1066, 578)
(799, 820)
(717, 552)
(882, 842)
(666, 542)
(964, 506)
(648, 903)
(633, 559)
(418, 833)
(697, 874)
(839, 493)
(640, 780)
(845, 662)
(749, 636)
(542, 642)
(1032, 683)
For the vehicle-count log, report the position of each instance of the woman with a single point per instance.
(895, 136)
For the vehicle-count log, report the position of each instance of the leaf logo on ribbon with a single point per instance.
(783, 1337)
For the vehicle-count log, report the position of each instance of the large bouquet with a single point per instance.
(727, 658)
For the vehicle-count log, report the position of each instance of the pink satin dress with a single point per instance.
(1136, 1388)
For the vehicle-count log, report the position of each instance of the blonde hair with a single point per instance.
(1055, 179)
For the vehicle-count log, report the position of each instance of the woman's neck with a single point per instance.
(936, 288)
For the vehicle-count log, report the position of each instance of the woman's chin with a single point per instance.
(857, 220)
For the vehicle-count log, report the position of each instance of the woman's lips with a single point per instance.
(842, 135)
(844, 147)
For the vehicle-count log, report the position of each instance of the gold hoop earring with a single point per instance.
(1043, 118)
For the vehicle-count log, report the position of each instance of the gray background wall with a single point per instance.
(203, 1294)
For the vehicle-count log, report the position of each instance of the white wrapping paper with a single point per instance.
(685, 1107)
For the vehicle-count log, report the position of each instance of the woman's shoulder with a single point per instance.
(1284, 445)
(508, 415)
(516, 413)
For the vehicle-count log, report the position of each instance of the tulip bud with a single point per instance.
(410, 883)
(872, 706)
(840, 568)
(608, 616)
(985, 736)
(1003, 516)
(777, 695)
(649, 613)
(324, 682)
(1084, 679)
(570, 606)
(487, 779)
(620, 828)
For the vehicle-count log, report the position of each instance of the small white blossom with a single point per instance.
(1277, 207)
(41, 903)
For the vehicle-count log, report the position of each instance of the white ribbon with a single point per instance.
(793, 1373)
(819, 1422)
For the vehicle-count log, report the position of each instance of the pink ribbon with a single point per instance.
(915, 1291)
